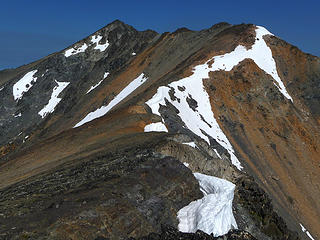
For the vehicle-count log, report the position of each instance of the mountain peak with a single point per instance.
(220, 25)
(117, 22)
(183, 29)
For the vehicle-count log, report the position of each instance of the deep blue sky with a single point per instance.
(31, 29)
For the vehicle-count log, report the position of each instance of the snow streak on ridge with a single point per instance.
(212, 213)
(260, 53)
(122, 95)
(54, 100)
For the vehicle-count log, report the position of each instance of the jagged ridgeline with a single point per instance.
(210, 134)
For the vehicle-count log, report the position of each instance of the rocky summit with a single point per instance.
(128, 134)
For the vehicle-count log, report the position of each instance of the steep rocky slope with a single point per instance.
(78, 159)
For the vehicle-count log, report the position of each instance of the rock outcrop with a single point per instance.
(115, 195)
(170, 233)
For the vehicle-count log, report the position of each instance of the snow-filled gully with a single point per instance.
(212, 213)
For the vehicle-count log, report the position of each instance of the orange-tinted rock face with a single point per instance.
(275, 140)
(6, 149)
(300, 72)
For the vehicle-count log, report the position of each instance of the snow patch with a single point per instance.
(186, 164)
(212, 213)
(305, 231)
(73, 51)
(1, 88)
(25, 139)
(191, 144)
(54, 100)
(18, 115)
(95, 86)
(96, 40)
(122, 95)
(156, 127)
(133, 54)
(44, 72)
(24, 85)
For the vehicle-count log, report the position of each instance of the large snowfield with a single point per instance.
(203, 119)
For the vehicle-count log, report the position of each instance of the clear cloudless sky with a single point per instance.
(32, 29)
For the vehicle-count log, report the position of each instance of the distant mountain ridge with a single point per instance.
(231, 101)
